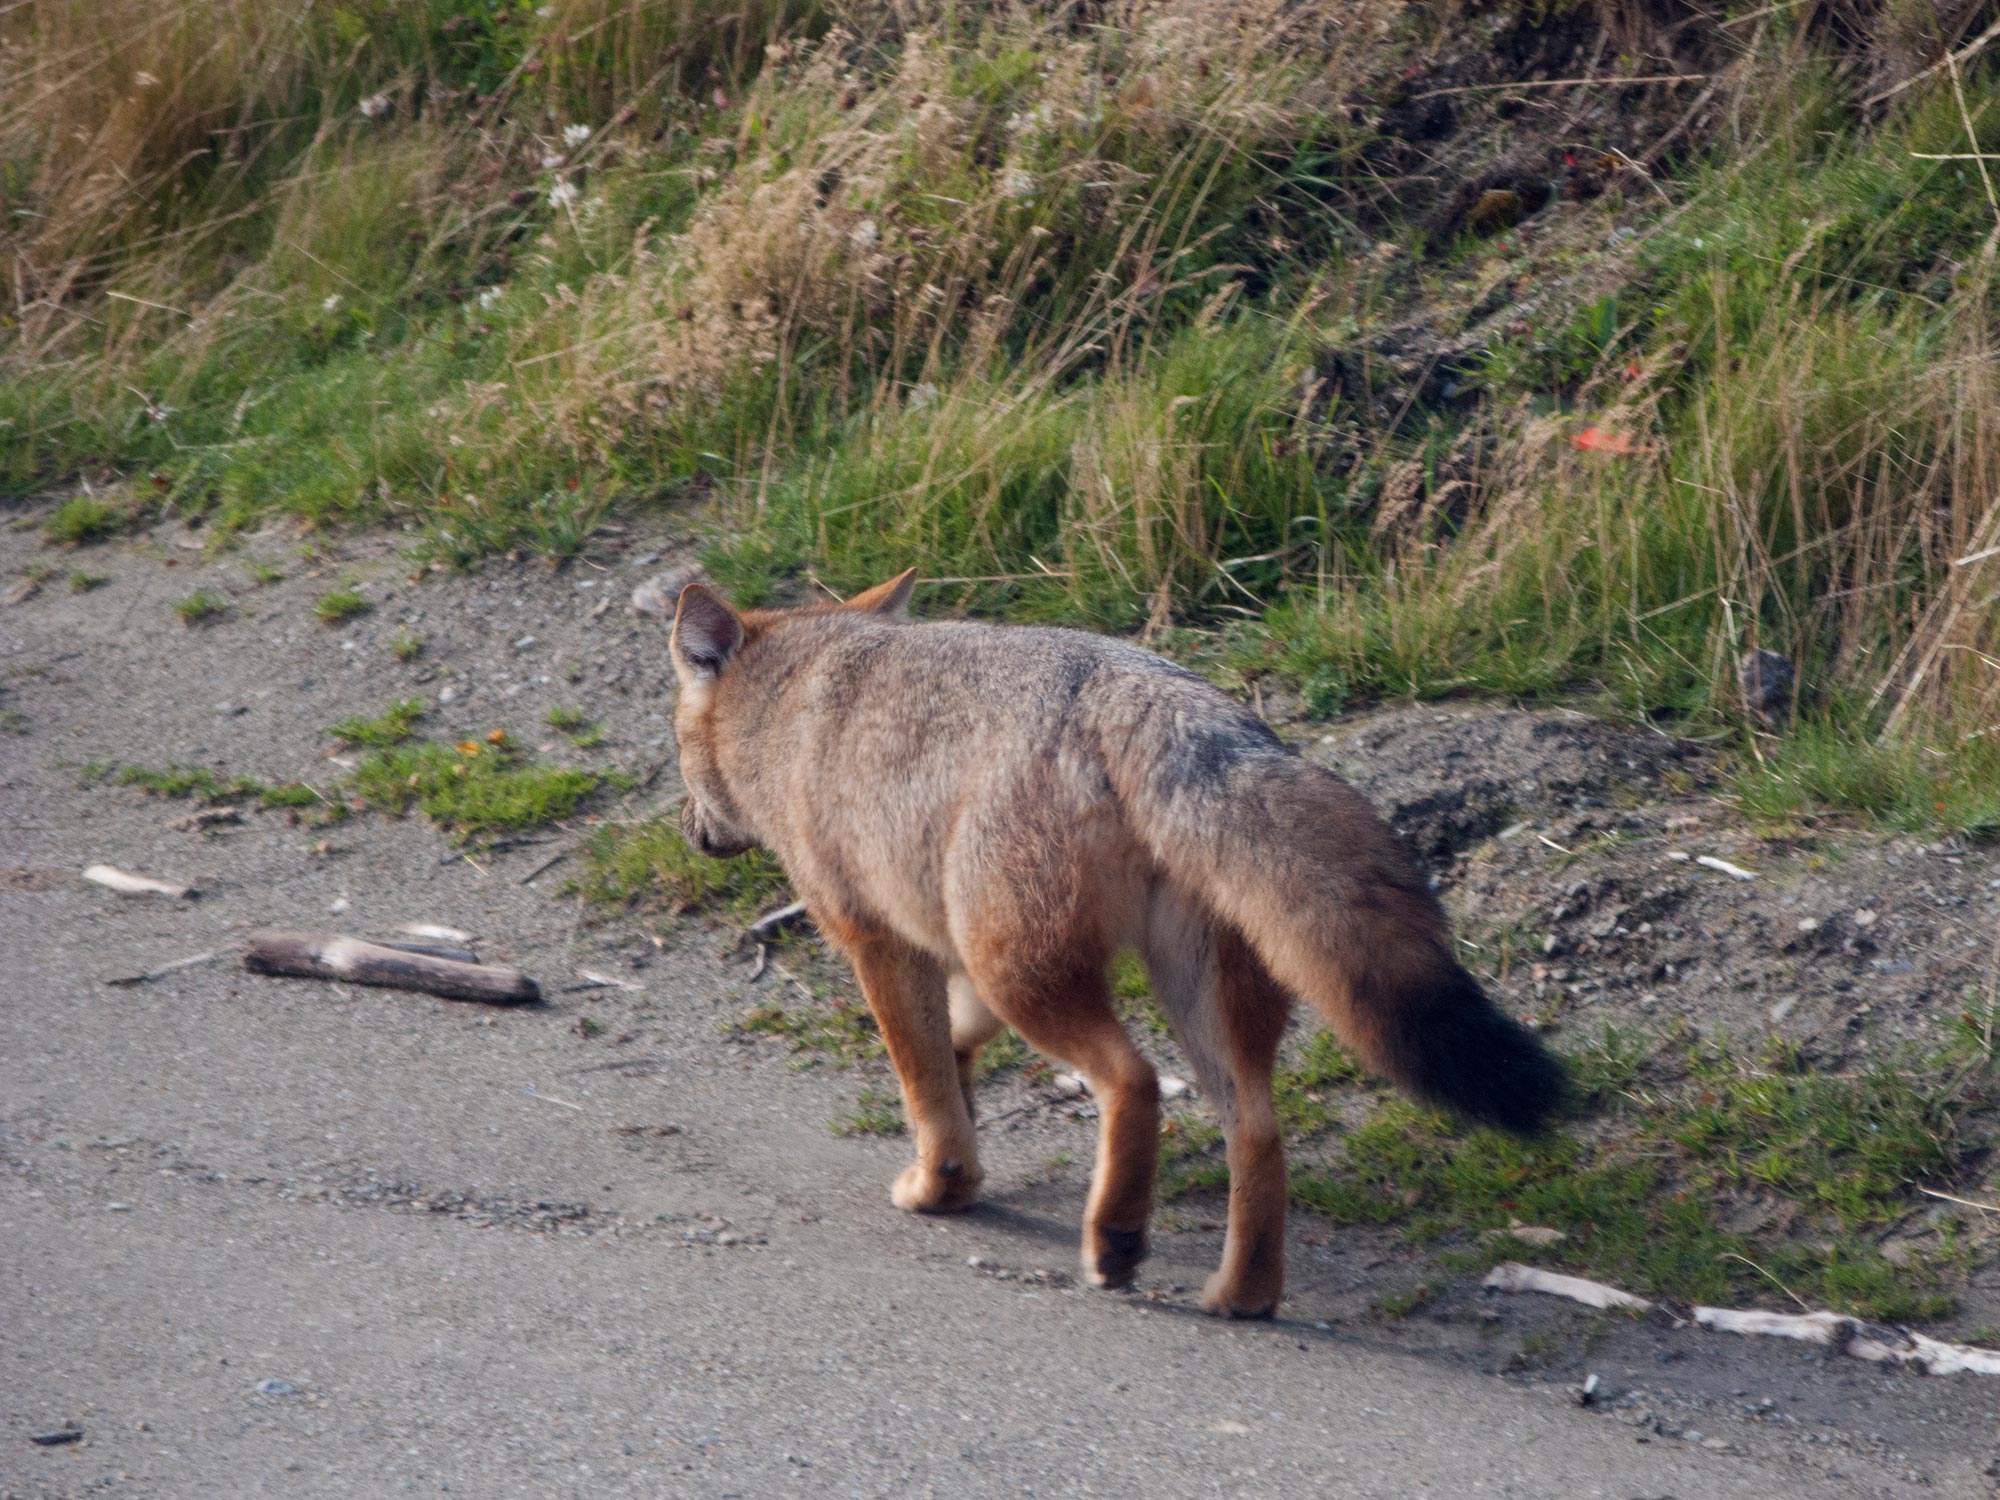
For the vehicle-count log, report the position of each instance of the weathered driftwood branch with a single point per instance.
(328, 955)
(1851, 1336)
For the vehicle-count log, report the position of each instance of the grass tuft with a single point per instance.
(338, 606)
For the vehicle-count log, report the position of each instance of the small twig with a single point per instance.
(1561, 83)
(763, 959)
(1950, 59)
(1554, 845)
(135, 885)
(1991, 1208)
(164, 970)
(533, 1093)
(775, 921)
(1734, 872)
(548, 864)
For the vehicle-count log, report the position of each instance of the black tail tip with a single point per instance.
(1481, 1063)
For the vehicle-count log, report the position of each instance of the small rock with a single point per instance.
(1587, 1394)
(275, 1387)
(58, 1438)
(524, 643)
(1864, 918)
(658, 596)
(339, 905)
(1071, 1084)
(1175, 1088)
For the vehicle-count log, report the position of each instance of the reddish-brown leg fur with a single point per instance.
(1230, 1014)
(906, 991)
(1065, 1013)
(972, 1027)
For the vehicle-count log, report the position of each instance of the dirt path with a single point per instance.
(267, 1236)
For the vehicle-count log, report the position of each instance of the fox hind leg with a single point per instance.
(1229, 1015)
(972, 1027)
(1068, 1016)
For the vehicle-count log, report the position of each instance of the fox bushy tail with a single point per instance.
(1311, 875)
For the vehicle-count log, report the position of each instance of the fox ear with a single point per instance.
(891, 598)
(706, 632)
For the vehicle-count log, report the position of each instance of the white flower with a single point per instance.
(551, 160)
(1017, 184)
(562, 195)
(375, 106)
(922, 395)
(864, 235)
(490, 296)
(332, 301)
(575, 135)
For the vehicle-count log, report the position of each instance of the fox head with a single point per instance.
(715, 650)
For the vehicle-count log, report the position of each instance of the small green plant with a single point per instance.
(13, 721)
(651, 864)
(392, 727)
(842, 1029)
(341, 605)
(82, 520)
(472, 789)
(582, 732)
(876, 1113)
(81, 582)
(202, 784)
(201, 608)
(406, 645)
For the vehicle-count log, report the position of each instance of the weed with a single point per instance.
(582, 733)
(395, 724)
(201, 784)
(842, 1029)
(13, 721)
(651, 864)
(201, 608)
(340, 605)
(406, 645)
(81, 582)
(876, 1112)
(474, 789)
(82, 520)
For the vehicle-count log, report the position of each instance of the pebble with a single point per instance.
(275, 1387)
(524, 643)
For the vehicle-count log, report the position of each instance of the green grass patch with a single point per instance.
(394, 725)
(474, 789)
(840, 1029)
(200, 784)
(1676, 1145)
(406, 645)
(82, 520)
(202, 608)
(582, 732)
(81, 582)
(650, 864)
(876, 1112)
(337, 606)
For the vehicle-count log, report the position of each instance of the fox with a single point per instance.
(981, 817)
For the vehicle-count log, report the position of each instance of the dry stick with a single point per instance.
(1991, 1208)
(1951, 59)
(164, 970)
(1561, 83)
(328, 955)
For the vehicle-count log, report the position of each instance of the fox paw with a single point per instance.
(1228, 1299)
(942, 1189)
(1111, 1256)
